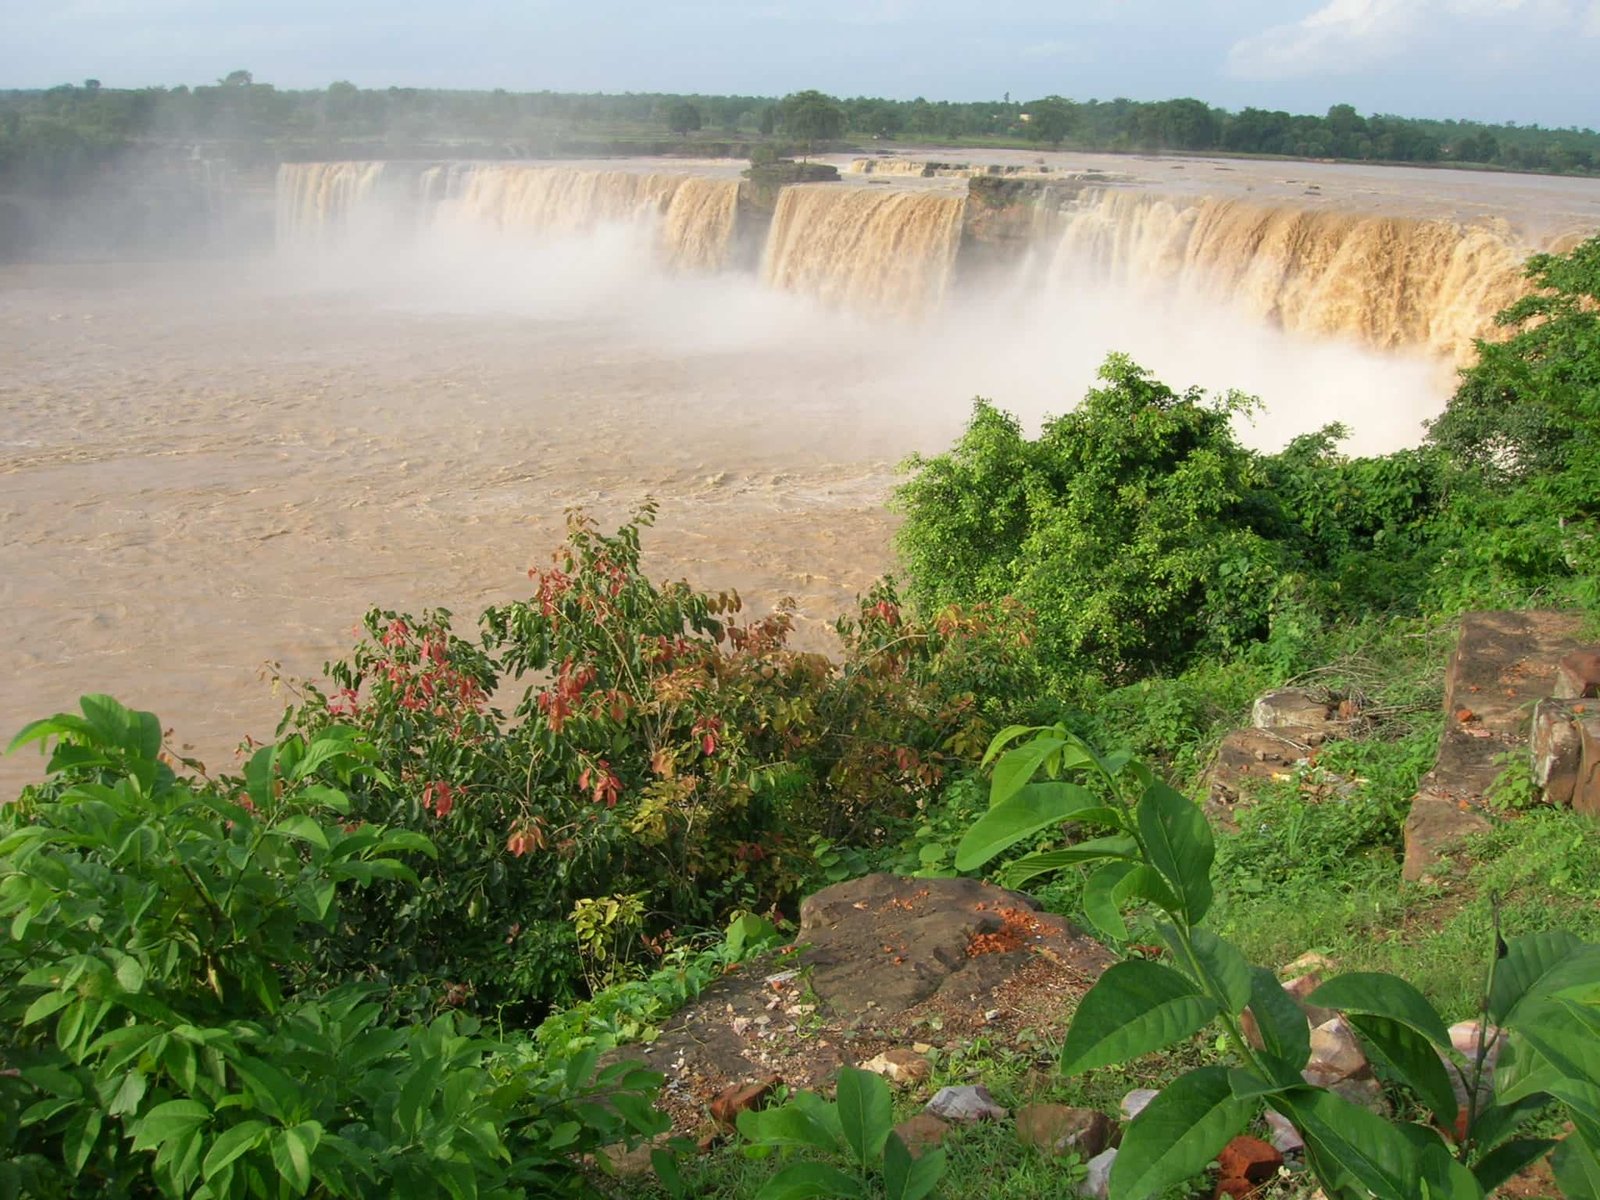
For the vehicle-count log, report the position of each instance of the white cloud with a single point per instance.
(1347, 36)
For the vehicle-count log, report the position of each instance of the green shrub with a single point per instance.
(162, 1032)
(662, 759)
(1135, 527)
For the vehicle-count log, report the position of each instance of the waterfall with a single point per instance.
(1391, 282)
(866, 248)
(694, 215)
(317, 201)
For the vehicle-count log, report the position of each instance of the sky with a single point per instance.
(1527, 61)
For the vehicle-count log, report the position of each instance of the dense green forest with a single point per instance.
(50, 139)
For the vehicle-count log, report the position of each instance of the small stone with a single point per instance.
(921, 1132)
(1335, 1054)
(1464, 1037)
(1097, 1177)
(1244, 1165)
(732, 1101)
(1308, 963)
(1061, 1129)
(1135, 1101)
(1288, 708)
(965, 1104)
(921, 1048)
(1285, 1138)
(899, 1066)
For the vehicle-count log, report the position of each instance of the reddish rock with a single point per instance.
(1578, 675)
(1438, 823)
(922, 1132)
(1556, 749)
(1335, 1053)
(1246, 1163)
(1586, 791)
(1060, 1129)
(741, 1097)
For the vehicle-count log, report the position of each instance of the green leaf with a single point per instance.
(1577, 1168)
(1285, 1032)
(230, 1144)
(1497, 1122)
(1179, 1133)
(129, 1093)
(1361, 1143)
(791, 1124)
(907, 1178)
(1136, 1007)
(1501, 1164)
(77, 1142)
(304, 829)
(1566, 1034)
(1178, 841)
(1226, 974)
(1407, 1056)
(291, 1154)
(167, 1121)
(1037, 806)
(1101, 904)
(1043, 862)
(866, 1113)
(1381, 995)
(1527, 960)
(46, 1004)
(804, 1181)
(130, 975)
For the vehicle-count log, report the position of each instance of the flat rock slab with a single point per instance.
(880, 962)
(1504, 663)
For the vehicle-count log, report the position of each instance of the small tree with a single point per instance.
(769, 120)
(683, 118)
(1049, 120)
(812, 117)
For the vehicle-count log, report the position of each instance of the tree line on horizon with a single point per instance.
(52, 138)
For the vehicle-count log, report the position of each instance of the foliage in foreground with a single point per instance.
(666, 768)
(159, 1033)
(1541, 1006)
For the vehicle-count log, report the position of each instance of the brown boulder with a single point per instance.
(1578, 675)
(1586, 791)
(732, 1101)
(922, 1132)
(1556, 749)
(1061, 1129)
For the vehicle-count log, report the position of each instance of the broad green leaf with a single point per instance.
(1577, 1168)
(1364, 1145)
(1502, 1163)
(46, 1004)
(1566, 1034)
(130, 974)
(805, 1181)
(1179, 1133)
(866, 1113)
(77, 1142)
(1177, 838)
(1036, 807)
(790, 1124)
(230, 1144)
(907, 1178)
(291, 1155)
(1527, 961)
(1381, 995)
(1285, 1032)
(1136, 1007)
(1101, 904)
(1020, 764)
(1031, 866)
(1226, 973)
(167, 1121)
(129, 1093)
(304, 829)
(1410, 1058)
(1497, 1122)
